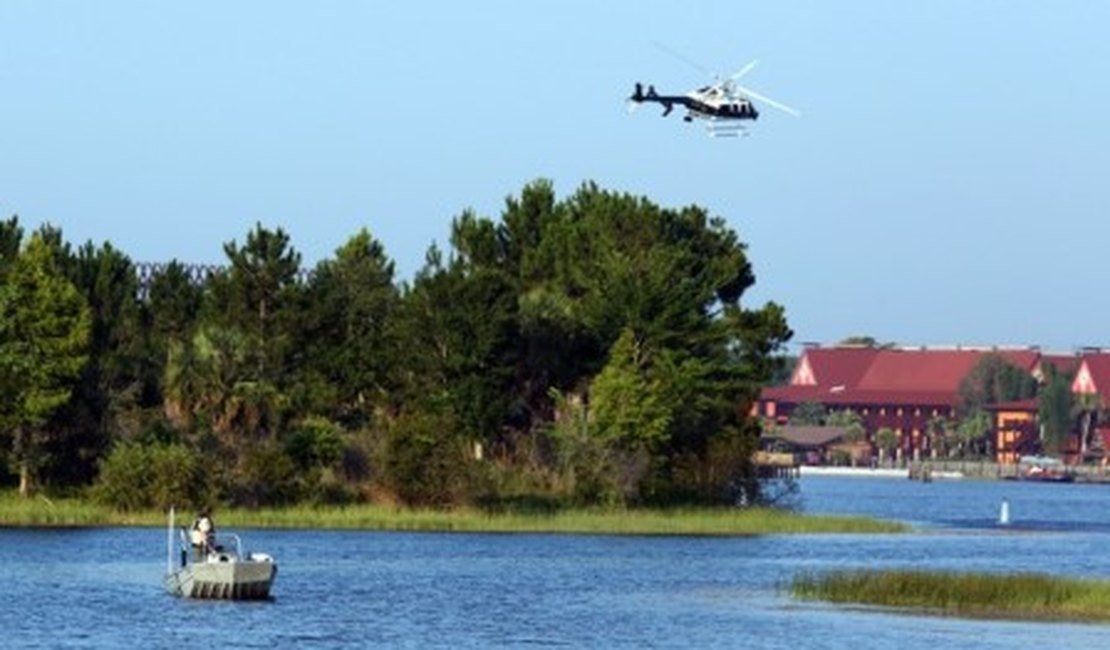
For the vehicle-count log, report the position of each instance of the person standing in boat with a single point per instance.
(203, 534)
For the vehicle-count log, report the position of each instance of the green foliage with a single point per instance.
(1019, 596)
(994, 380)
(785, 371)
(808, 414)
(136, 476)
(729, 477)
(315, 441)
(458, 326)
(349, 331)
(866, 341)
(170, 312)
(852, 423)
(257, 296)
(886, 440)
(266, 475)
(939, 430)
(628, 406)
(425, 465)
(1055, 408)
(595, 521)
(111, 389)
(11, 236)
(591, 468)
(44, 332)
(633, 307)
(971, 434)
(317, 447)
(1090, 410)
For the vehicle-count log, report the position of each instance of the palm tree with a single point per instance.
(886, 440)
(1088, 407)
(972, 431)
(937, 430)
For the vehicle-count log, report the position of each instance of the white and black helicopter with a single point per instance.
(724, 105)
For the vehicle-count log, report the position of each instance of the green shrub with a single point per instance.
(425, 465)
(266, 476)
(136, 476)
(125, 478)
(315, 441)
(177, 477)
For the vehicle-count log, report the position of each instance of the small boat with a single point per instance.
(224, 572)
(1044, 469)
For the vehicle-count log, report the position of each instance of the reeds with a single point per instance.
(706, 521)
(1024, 596)
(58, 512)
(39, 511)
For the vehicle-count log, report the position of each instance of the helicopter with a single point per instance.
(724, 105)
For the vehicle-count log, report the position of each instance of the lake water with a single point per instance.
(101, 588)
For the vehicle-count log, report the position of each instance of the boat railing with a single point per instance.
(228, 544)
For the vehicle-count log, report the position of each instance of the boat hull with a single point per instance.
(235, 580)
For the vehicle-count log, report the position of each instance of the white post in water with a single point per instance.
(169, 545)
(1004, 513)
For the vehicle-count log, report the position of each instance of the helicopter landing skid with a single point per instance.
(726, 129)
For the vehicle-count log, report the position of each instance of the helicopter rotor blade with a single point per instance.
(770, 102)
(743, 71)
(688, 61)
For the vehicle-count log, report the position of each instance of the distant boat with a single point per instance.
(223, 573)
(1044, 469)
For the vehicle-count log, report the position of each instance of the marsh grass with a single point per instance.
(40, 511)
(979, 595)
(53, 512)
(613, 522)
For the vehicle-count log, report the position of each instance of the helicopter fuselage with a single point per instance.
(705, 103)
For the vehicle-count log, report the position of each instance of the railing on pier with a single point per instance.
(770, 464)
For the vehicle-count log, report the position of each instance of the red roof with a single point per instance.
(857, 376)
(1093, 375)
(1023, 405)
(833, 366)
(1064, 363)
(857, 396)
(931, 370)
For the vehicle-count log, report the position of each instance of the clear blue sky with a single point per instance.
(947, 182)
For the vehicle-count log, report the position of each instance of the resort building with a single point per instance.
(914, 392)
(1091, 387)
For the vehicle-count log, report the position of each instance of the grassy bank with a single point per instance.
(1021, 596)
(40, 511)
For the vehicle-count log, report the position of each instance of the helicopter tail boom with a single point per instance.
(668, 102)
(638, 94)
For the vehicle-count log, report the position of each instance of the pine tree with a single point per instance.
(44, 333)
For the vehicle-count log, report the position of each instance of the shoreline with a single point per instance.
(79, 513)
(868, 472)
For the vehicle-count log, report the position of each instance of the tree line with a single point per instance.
(586, 350)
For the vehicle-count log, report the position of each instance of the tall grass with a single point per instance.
(58, 512)
(614, 522)
(39, 511)
(1010, 596)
